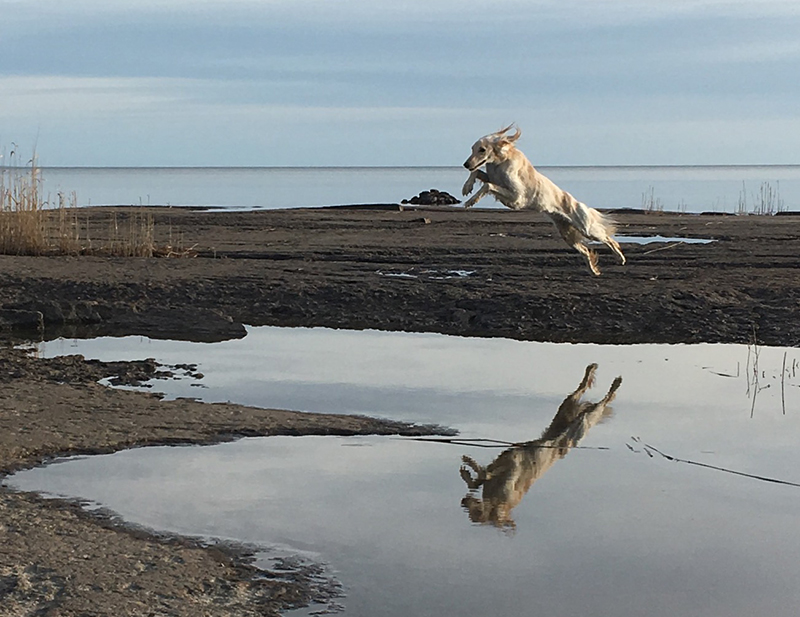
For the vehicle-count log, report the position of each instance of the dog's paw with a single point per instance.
(467, 188)
(466, 476)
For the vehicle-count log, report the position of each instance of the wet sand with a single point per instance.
(438, 269)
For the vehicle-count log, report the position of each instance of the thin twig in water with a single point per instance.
(493, 443)
(723, 469)
(663, 248)
(755, 388)
(783, 384)
(478, 443)
(738, 368)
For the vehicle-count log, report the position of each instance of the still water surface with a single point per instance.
(612, 528)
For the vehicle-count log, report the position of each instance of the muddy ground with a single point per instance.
(475, 273)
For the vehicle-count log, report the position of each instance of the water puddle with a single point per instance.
(633, 239)
(432, 274)
(568, 491)
(426, 273)
(661, 239)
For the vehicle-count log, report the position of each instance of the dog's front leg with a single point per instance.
(506, 196)
(480, 473)
(480, 194)
(470, 183)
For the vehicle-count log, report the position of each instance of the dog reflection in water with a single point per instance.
(506, 479)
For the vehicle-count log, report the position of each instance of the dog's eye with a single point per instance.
(481, 149)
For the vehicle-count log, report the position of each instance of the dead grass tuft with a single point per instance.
(32, 225)
(22, 226)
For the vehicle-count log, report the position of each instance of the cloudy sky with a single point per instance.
(412, 82)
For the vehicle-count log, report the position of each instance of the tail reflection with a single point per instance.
(506, 479)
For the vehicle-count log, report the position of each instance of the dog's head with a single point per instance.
(492, 148)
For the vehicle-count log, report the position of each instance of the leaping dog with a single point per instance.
(505, 481)
(513, 181)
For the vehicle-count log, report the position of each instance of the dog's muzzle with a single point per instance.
(472, 166)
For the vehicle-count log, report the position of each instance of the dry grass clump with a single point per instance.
(22, 225)
(31, 225)
(133, 236)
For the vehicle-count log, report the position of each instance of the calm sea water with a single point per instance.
(610, 528)
(692, 189)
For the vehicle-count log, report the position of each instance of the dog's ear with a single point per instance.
(512, 138)
(503, 146)
(502, 132)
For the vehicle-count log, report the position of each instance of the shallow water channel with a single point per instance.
(591, 515)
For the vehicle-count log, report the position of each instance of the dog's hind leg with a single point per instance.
(574, 238)
(588, 379)
(570, 407)
(591, 256)
(614, 246)
(612, 391)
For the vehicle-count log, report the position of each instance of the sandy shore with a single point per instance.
(476, 273)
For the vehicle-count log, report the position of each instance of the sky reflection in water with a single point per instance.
(608, 529)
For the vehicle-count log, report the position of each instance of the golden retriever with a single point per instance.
(506, 479)
(513, 181)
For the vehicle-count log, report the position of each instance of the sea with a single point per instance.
(720, 189)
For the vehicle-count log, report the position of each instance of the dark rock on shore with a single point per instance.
(432, 197)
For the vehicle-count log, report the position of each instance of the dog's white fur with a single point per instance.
(506, 480)
(513, 181)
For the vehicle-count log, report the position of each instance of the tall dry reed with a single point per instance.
(22, 223)
(134, 236)
(651, 203)
(31, 225)
(766, 202)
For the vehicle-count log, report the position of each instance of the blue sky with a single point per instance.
(321, 82)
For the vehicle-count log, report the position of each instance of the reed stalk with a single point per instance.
(651, 203)
(22, 225)
(766, 202)
(31, 225)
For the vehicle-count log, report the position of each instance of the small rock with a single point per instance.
(432, 197)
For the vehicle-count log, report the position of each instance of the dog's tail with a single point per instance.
(597, 226)
(602, 228)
